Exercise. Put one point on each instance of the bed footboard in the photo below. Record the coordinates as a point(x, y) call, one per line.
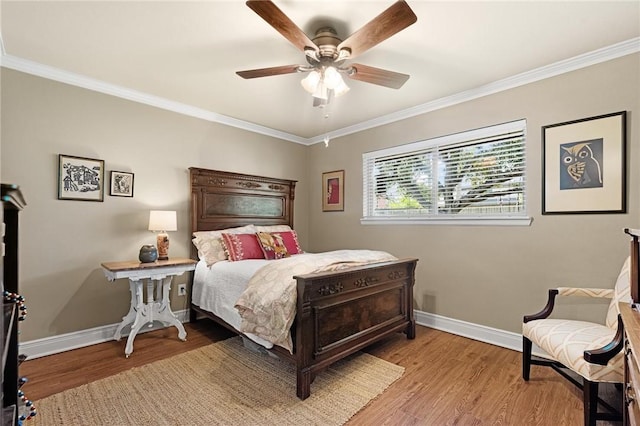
point(339, 313)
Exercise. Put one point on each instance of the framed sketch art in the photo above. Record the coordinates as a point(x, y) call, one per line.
point(80, 178)
point(121, 184)
point(584, 165)
point(333, 191)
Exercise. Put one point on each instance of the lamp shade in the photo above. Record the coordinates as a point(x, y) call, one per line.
point(310, 82)
point(162, 220)
point(332, 78)
point(341, 88)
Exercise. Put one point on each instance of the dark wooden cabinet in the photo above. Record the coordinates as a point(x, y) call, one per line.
point(12, 203)
point(630, 316)
point(631, 393)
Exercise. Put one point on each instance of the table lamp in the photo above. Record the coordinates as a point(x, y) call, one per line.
point(162, 221)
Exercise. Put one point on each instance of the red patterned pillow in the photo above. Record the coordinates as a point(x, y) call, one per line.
point(290, 239)
point(272, 245)
point(242, 246)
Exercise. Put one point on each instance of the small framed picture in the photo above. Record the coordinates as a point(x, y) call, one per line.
point(333, 191)
point(80, 178)
point(584, 165)
point(121, 184)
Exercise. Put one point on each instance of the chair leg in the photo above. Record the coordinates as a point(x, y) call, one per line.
point(590, 397)
point(526, 358)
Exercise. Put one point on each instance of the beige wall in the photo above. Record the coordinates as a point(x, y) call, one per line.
point(64, 242)
point(486, 274)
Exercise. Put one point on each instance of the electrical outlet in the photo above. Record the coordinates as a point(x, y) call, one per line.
point(182, 289)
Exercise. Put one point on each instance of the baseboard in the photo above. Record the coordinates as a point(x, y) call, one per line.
point(79, 339)
point(482, 333)
point(65, 342)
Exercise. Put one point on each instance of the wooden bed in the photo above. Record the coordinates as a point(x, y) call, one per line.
point(325, 329)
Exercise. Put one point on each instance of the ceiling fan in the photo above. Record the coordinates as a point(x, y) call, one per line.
point(326, 53)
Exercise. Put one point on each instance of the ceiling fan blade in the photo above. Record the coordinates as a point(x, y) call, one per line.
point(393, 20)
point(378, 76)
point(267, 72)
point(281, 22)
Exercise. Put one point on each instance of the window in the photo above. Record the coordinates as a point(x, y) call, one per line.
point(471, 177)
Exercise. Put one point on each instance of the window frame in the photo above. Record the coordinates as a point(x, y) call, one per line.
point(444, 142)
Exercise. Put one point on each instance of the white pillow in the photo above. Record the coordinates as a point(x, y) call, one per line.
point(209, 243)
point(273, 228)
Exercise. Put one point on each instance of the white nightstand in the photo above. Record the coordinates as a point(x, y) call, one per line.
point(158, 274)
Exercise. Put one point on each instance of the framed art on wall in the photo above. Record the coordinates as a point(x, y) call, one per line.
point(80, 178)
point(584, 165)
point(333, 191)
point(121, 184)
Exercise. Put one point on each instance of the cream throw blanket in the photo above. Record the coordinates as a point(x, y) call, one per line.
point(268, 305)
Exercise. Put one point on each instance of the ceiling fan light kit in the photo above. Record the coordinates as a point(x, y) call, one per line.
point(320, 81)
point(326, 53)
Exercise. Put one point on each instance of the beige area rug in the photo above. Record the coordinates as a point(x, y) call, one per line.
point(221, 384)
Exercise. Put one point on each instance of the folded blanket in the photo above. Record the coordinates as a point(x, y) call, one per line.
point(268, 305)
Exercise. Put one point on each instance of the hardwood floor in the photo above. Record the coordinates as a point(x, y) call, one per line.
point(449, 380)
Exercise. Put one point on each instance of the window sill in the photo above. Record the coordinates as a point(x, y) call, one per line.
point(471, 221)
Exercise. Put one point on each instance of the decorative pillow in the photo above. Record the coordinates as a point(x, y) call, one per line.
point(290, 239)
point(273, 228)
point(209, 243)
point(272, 245)
point(242, 246)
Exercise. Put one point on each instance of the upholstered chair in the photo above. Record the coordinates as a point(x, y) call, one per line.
point(591, 350)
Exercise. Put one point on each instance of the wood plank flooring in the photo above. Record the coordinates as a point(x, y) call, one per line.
point(449, 380)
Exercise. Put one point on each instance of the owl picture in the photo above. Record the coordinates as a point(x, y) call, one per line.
point(581, 164)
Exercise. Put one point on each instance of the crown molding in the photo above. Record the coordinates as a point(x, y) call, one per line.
point(608, 53)
point(78, 80)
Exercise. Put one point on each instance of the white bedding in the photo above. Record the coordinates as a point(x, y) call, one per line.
point(216, 289)
point(258, 297)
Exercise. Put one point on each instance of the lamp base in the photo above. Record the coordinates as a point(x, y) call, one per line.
point(163, 246)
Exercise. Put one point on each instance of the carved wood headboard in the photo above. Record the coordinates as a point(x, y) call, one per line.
point(222, 200)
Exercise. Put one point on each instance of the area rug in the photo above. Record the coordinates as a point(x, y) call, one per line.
point(223, 383)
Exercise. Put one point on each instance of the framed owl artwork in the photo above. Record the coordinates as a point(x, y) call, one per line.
point(584, 165)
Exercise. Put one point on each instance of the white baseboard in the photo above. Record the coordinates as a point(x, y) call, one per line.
point(79, 339)
point(482, 333)
point(494, 336)
point(65, 342)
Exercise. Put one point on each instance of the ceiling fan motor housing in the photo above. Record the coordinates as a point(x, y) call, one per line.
point(327, 41)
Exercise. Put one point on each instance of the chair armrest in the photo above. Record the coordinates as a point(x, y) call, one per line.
point(604, 354)
point(603, 293)
point(546, 311)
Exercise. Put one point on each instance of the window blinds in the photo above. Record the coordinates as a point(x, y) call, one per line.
point(480, 173)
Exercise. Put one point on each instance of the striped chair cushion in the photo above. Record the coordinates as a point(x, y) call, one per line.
point(566, 340)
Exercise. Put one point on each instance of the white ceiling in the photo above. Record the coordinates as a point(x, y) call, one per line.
point(183, 55)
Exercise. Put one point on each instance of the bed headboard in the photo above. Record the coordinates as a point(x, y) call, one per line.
point(222, 200)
